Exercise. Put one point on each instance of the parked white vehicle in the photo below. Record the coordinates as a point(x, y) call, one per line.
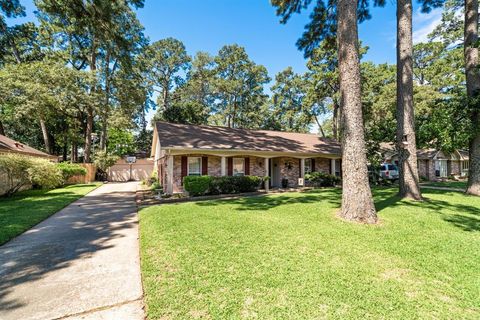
point(388, 171)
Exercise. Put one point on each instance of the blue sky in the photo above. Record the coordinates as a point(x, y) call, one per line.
point(207, 25)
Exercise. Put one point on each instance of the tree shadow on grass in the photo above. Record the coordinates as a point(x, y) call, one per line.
point(271, 201)
point(60, 240)
point(463, 216)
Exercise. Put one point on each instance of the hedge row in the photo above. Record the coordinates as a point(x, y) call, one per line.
point(321, 179)
point(208, 185)
point(21, 171)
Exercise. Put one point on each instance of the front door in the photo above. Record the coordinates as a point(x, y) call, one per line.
point(274, 174)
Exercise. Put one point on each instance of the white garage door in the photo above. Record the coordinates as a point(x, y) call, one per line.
point(128, 172)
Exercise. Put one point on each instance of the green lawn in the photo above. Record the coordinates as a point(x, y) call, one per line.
point(288, 256)
point(448, 184)
point(27, 208)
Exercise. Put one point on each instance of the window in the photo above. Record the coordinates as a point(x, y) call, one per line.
point(194, 166)
point(238, 166)
point(441, 168)
point(308, 166)
point(392, 167)
point(465, 167)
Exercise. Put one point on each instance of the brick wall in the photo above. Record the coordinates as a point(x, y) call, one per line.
point(322, 165)
point(257, 166)
point(422, 169)
point(454, 168)
point(214, 169)
point(292, 173)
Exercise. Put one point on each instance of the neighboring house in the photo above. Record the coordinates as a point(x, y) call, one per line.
point(8, 145)
point(180, 150)
point(434, 164)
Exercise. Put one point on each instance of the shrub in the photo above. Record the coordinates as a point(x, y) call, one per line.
point(321, 179)
point(197, 185)
point(103, 160)
point(71, 169)
point(45, 174)
point(203, 185)
point(23, 170)
point(155, 186)
point(247, 183)
point(15, 168)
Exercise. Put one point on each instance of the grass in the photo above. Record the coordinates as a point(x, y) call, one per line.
point(25, 209)
point(447, 184)
point(288, 256)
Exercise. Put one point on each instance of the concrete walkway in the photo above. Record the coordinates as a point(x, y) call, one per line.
point(81, 263)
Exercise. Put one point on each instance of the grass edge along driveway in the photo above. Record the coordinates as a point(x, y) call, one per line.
point(25, 209)
point(288, 256)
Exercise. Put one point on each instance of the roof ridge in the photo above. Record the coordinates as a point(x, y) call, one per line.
point(244, 129)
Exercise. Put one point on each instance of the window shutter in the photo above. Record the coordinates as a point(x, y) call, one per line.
point(313, 165)
point(204, 166)
point(230, 167)
point(299, 168)
point(330, 166)
point(247, 166)
point(184, 168)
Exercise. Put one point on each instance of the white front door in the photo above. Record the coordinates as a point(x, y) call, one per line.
point(275, 172)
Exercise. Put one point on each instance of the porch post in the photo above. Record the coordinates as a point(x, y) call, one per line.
point(267, 160)
point(223, 166)
point(332, 166)
point(170, 174)
point(302, 168)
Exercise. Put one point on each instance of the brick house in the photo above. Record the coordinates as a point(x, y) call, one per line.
point(434, 164)
point(180, 150)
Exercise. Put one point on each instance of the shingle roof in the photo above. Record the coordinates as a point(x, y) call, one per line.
point(426, 153)
point(10, 145)
point(464, 154)
point(182, 136)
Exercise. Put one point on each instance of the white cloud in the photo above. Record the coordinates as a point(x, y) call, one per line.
point(424, 23)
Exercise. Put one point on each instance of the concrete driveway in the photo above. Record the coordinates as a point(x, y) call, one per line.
point(81, 263)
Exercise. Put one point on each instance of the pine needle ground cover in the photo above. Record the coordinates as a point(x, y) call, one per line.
point(289, 256)
point(25, 209)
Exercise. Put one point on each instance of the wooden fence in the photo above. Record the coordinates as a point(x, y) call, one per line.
point(88, 178)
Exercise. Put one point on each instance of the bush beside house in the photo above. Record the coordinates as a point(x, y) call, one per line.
point(321, 179)
point(22, 172)
point(209, 185)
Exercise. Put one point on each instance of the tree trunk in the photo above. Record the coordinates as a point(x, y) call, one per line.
point(74, 152)
point(46, 138)
point(335, 120)
point(89, 128)
point(2, 129)
point(165, 97)
point(357, 202)
point(65, 152)
point(106, 110)
point(473, 92)
point(88, 136)
point(406, 142)
point(319, 127)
